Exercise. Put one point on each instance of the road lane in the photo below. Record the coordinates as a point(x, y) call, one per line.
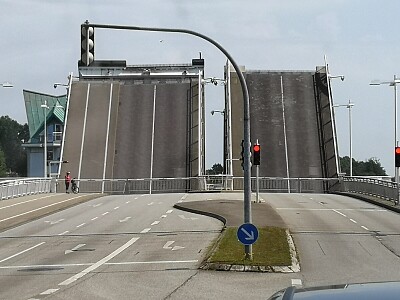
point(102, 236)
point(340, 239)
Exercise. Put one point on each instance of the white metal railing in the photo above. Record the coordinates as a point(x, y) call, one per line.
point(384, 189)
point(202, 183)
point(12, 188)
point(387, 190)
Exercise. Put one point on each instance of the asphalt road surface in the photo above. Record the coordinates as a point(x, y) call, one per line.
point(140, 247)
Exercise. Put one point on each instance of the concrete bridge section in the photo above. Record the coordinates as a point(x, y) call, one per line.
point(134, 126)
point(290, 116)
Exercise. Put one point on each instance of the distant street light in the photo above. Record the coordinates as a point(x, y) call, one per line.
point(393, 83)
point(45, 108)
point(349, 106)
point(329, 78)
point(7, 85)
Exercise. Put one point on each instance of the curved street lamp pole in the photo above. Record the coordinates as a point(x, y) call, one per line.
point(246, 109)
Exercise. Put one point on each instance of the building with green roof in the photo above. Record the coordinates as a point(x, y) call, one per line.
point(36, 114)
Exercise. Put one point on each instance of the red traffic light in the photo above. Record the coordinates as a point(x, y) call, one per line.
point(397, 150)
point(257, 148)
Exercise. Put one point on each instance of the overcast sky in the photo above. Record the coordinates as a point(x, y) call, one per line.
point(40, 45)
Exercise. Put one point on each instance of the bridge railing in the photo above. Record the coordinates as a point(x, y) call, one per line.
point(383, 189)
point(12, 188)
point(204, 183)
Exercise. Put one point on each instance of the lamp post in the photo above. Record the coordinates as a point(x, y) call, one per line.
point(349, 106)
point(246, 108)
point(45, 108)
point(329, 78)
point(393, 83)
point(7, 85)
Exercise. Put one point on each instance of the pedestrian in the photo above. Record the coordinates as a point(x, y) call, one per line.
point(67, 181)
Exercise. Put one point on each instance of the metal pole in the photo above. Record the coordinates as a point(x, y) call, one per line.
point(152, 138)
point(396, 142)
point(351, 141)
point(246, 110)
point(45, 138)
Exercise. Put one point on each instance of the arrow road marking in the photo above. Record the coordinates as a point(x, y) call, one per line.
point(74, 249)
point(168, 246)
point(249, 237)
point(124, 220)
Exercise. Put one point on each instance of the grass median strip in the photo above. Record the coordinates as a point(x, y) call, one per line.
point(270, 249)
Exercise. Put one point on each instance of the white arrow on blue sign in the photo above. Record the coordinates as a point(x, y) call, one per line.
point(247, 233)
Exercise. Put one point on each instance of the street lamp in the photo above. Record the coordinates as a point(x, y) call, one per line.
point(45, 108)
point(7, 85)
point(349, 106)
point(329, 78)
point(392, 83)
point(246, 107)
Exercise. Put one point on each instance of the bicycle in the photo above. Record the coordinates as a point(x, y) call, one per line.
point(74, 186)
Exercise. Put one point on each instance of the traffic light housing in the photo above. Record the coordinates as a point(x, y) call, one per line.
point(397, 156)
point(256, 154)
point(87, 45)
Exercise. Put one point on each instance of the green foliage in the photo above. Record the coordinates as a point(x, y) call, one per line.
point(370, 167)
point(11, 135)
point(3, 167)
point(215, 169)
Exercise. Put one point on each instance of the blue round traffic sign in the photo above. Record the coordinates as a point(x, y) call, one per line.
point(247, 233)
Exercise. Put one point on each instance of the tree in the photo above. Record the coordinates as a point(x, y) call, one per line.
point(215, 169)
point(3, 167)
point(11, 135)
point(370, 167)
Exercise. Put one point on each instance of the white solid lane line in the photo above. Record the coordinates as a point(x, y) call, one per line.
point(27, 201)
point(99, 263)
point(106, 264)
point(26, 250)
point(43, 207)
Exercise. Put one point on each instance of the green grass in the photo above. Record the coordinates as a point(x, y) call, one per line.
point(270, 249)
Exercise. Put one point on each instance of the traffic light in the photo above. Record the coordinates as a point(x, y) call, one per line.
point(397, 156)
point(87, 45)
point(256, 154)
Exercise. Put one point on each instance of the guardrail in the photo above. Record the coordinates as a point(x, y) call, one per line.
point(204, 183)
point(383, 189)
point(23, 187)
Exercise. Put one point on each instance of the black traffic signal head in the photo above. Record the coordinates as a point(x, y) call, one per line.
point(397, 157)
point(256, 154)
point(87, 45)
